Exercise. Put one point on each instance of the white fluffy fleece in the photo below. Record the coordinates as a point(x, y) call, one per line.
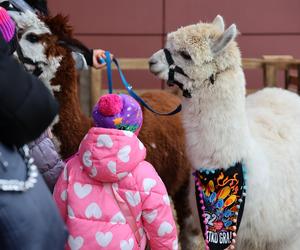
point(224, 127)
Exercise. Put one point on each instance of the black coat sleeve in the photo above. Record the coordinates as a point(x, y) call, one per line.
point(27, 107)
point(88, 55)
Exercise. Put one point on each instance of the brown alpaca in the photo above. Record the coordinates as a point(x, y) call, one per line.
point(73, 124)
point(165, 142)
point(162, 136)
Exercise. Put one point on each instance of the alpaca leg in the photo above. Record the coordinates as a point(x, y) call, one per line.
point(189, 236)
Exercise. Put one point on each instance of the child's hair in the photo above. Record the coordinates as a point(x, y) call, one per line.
point(119, 112)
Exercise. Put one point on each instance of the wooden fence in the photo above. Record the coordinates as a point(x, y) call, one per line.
point(91, 80)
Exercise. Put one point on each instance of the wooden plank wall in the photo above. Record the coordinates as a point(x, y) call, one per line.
point(137, 28)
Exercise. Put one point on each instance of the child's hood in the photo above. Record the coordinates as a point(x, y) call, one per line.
point(109, 155)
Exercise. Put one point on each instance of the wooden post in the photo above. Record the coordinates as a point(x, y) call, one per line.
point(96, 82)
point(273, 63)
point(270, 75)
point(287, 79)
point(84, 90)
point(298, 79)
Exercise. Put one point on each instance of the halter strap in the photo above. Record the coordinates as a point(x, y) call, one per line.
point(169, 57)
point(129, 88)
point(38, 71)
point(171, 75)
point(174, 68)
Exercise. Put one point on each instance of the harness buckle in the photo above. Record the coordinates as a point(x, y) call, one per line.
point(172, 67)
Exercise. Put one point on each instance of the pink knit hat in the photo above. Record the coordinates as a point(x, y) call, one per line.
point(7, 25)
point(121, 112)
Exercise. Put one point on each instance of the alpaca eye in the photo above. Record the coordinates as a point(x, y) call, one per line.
point(33, 38)
point(185, 55)
point(20, 33)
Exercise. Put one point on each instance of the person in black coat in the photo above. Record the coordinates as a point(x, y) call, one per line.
point(29, 219)
point(40, 5)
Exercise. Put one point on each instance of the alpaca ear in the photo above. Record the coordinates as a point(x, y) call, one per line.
point(219, 22)
point(223, 41)
point(20, 18)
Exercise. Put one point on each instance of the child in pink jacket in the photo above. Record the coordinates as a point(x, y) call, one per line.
point(108, 195)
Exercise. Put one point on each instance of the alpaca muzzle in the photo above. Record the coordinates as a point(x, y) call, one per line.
point(26, 60)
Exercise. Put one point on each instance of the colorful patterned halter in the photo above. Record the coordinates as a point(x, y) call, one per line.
point(220, 198)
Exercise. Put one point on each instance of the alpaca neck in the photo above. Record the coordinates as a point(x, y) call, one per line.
point(72, 124)
point(216, 125)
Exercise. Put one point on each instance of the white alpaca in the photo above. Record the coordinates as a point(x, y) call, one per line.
point(224, 127)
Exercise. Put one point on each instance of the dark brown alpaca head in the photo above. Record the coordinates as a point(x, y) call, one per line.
point(48, 42)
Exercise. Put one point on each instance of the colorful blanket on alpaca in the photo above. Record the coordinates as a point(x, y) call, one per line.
point(220, 198)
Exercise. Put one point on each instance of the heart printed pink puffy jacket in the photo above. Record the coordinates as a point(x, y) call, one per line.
point(107, 160)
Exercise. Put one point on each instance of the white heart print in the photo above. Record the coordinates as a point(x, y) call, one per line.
point(148, 184)
point(82, 190)
point(138, 217)
point(128, 133)
point(93, 172)
point(141, 145)
point(122, 175)
point(112, 166)
point(118, 218)
point(103, 239)
point(133, 198)
point(115, 186)
point(166, 199)
point(104, 140)
point(150, 216)
point(164, 228)
point(70, 212)
point(141, 232)
point(123, 154)
point(65, 174)
point(93, 210)
point(64, 195)
point(75, 243)
point(127, 245)
point(175, 244)
point(86, 158)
